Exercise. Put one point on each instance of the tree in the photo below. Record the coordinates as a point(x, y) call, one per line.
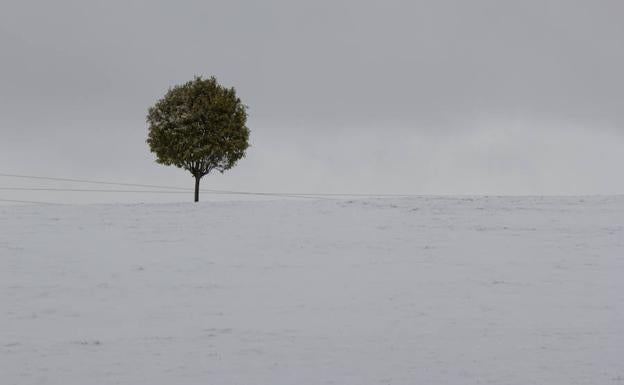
point(199, 126)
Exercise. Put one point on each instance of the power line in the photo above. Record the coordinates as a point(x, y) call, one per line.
point(151, 192)
point(187, 190)
point(31, 202)
point(75, 180)
point(216, 192)
point(92, 181)
point(88, 190)
point(311, 194)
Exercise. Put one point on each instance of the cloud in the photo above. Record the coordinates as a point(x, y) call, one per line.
point(428, 96)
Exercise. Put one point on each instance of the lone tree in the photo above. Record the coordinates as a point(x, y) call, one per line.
point(198, 126)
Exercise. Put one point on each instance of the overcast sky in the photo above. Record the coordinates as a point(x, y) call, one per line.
point(425, 97)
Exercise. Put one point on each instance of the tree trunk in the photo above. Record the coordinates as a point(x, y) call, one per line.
point(197, 178)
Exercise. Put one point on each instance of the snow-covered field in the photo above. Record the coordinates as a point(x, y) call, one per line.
point(427, 290)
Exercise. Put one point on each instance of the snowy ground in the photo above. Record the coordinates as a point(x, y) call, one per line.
point(381, 291)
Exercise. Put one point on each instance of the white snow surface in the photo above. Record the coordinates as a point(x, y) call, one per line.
point(428, 290)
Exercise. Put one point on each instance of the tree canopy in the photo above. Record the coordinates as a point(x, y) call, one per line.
point(199, 126)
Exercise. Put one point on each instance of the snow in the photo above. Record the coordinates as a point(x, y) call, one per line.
point(428, 290)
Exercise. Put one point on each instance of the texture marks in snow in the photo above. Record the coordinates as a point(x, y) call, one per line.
point(402, 291)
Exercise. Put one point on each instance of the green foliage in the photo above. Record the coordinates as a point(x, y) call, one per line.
point(199, 126)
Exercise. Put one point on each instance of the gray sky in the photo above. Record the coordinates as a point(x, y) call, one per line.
point(427, 97)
